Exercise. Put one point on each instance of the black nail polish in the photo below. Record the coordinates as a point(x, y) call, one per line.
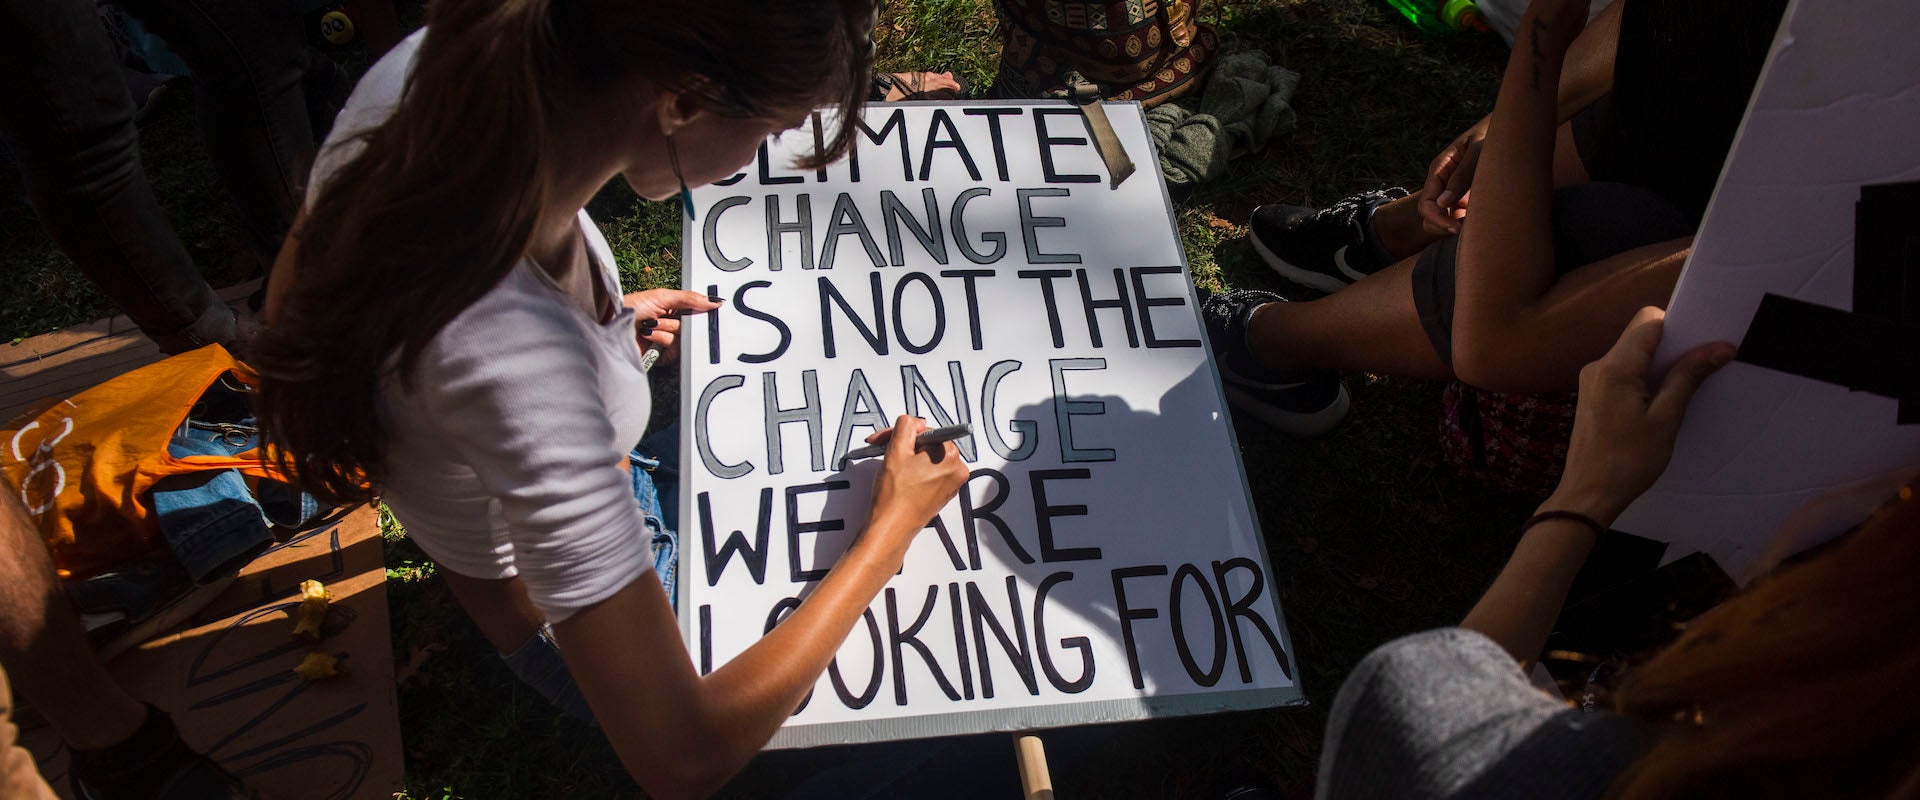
point(647, 325)
point(715, 298)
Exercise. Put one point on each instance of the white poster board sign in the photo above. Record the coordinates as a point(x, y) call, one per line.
point(969, 263)
point(1809, 257)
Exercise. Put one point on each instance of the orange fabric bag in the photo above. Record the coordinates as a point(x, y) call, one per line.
point(83, 467)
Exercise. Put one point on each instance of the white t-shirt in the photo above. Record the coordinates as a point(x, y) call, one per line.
point(508, 457)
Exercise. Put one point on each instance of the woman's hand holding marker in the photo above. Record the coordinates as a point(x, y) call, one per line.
point(914, 483)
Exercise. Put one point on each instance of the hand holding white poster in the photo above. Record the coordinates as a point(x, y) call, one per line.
point(968, 263)
point(1807, 259)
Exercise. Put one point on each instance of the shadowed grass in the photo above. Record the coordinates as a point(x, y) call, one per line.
point(1369, 536)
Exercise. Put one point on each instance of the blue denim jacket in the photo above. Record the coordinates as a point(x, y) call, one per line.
point(213, 519)
point(211, 522)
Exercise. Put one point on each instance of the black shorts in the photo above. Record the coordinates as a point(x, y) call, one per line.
point(1591, 222)
point(1653, 146)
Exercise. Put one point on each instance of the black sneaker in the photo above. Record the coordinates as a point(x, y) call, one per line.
point(1327, 249)
point(153, 764)
point(1303, 403)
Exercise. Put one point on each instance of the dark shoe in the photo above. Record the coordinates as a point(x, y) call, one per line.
point(153, 764)
point(1303, 403)
point(1327, 249)
point(138, 601)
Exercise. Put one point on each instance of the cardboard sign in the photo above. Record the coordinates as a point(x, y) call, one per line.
point(969, 263)
point(227, 677)
point(1808, 258)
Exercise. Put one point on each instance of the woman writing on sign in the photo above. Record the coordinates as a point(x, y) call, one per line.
point(448, 331)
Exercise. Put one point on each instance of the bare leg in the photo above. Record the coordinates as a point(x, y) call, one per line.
point(1372, 326)
point(43, 647)
point(1398, 223)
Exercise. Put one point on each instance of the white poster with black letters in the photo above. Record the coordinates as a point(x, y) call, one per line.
point(970, 263)
point(1809, 259)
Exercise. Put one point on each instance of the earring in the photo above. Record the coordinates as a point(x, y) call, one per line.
point(686, 197)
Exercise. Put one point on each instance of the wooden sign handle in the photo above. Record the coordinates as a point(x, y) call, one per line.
point(1035, 782)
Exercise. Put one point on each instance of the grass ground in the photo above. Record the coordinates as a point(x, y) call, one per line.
point(1369, 535)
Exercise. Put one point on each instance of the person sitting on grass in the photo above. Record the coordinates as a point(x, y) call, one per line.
point(1801, 686)
point(1586, 184)
point(447, 330)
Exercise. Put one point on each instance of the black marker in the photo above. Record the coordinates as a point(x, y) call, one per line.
point(927, 438)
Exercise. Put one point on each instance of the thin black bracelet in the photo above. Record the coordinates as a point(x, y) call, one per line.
point(1592, 524)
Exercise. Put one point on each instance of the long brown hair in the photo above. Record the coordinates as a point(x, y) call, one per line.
point(1805, 685)
point(446, 193)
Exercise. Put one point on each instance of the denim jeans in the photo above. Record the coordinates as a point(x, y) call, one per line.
point(264, 98)
point(212, 522)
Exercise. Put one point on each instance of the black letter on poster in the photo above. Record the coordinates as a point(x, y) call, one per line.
point(1065, 409)
point(967, 277)
point(740, 304)
point(1869, 349)
point(915, 387)
point(860, 409)
point(956, 220)
point(795, 527)
point(896, 638)
point(1045, 513)
point(1031, 222)
point(766, 175)
point(1242, 609)
point(893, 213)
point(1128, 614)
point(876, 336)
point(1144, 304)
point(802, 224)
point(952, 141)
point(706, 640)
point(755, 554)
point(1211, 676)
point(1047, 142)
point(703, 440)
point(711, 241)
point(1026, 428)
point(1045, 277)
point(808, 412)
point(960, 638)
point(970, 517)
point(896, 123)
point(1093, 306)
point(1080, 643)
point(846, 220)
point(1014, 646)
point(939, 313)
point(993, 116)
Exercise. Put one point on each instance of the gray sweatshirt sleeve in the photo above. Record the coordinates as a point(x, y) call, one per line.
point(1448, 714)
